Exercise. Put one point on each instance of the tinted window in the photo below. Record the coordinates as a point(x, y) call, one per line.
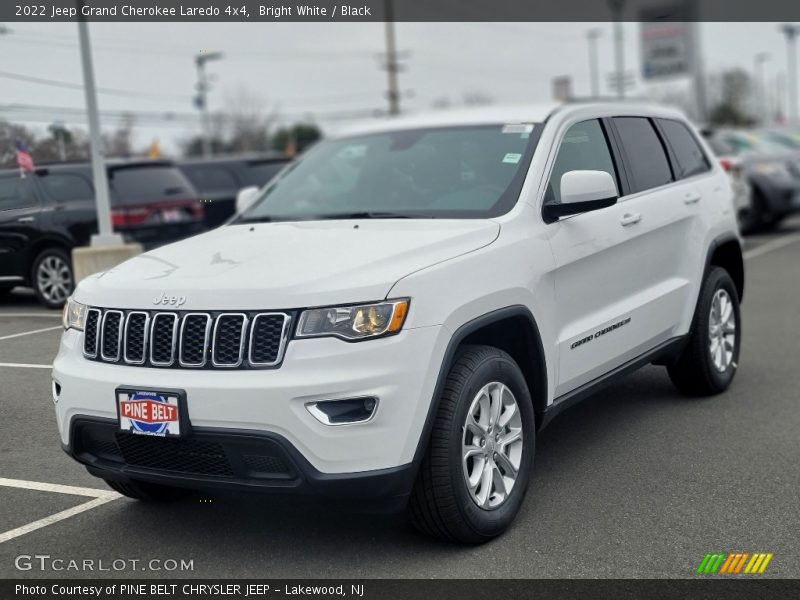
point(584, 147)
point(207, 179)
point(688, 153)
point(645, 153)
point(65, 187)
point(16, 192)
point(260, 173)
point(148, 183)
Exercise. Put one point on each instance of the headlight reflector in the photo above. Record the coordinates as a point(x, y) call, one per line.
point(354, 322)
point(74, 316)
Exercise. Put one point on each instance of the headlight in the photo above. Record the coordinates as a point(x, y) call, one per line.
point(354, 322)
point(74, 316)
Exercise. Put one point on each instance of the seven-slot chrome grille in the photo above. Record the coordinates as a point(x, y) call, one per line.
point(184, 339)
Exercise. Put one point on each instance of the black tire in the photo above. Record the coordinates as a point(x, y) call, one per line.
point(146, 491)
point(441, 504)
point(46, 295)
point(694, 373)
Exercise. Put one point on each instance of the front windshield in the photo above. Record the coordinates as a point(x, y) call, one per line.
point(449, 172)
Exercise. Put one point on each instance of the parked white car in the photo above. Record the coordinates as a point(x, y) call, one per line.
point(395, 317)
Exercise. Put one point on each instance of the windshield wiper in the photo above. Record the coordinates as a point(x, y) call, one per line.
point(365, 215)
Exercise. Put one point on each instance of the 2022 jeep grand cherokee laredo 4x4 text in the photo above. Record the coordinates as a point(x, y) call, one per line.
point(396, 315)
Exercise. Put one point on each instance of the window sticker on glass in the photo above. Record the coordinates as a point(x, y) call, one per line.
point(518, 128)
point(512, 157)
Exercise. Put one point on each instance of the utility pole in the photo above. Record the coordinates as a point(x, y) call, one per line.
point(392, 67)
point(594, 76)
point(619, 45)
point(791, 31)
point(106, 235)
point(201, 99)
point(763, 108)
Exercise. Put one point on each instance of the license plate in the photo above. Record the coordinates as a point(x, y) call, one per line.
point(149, 413)
point(174, 215)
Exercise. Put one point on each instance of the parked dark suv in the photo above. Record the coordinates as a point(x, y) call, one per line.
point(46, 213)
point(218, 179)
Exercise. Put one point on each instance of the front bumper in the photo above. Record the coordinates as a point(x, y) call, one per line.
point(400, 370)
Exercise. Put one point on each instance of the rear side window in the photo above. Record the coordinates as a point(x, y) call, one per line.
point(16, 192)
point(645, 153)
point(259, 174)
point(688, 154)
point(584, 147)
point(64, 187)
point(211, 179)
point(149, 183)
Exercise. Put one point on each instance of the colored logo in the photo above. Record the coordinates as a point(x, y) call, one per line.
point(149, 413)
point(734, 563)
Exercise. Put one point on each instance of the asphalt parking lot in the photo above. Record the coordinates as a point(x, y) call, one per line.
point(637, 481)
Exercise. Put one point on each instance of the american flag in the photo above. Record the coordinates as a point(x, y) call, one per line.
point(24, 158)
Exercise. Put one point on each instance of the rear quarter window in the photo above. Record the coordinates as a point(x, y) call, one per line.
point(211, 179)
point(690, 158)
point(16, 192)
point(65, 187)
point(149, 183)
point(645, 153)
point(259, 174)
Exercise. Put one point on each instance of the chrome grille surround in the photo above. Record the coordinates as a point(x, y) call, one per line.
point(162, 339)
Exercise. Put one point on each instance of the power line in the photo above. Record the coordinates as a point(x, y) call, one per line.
point(78, 86)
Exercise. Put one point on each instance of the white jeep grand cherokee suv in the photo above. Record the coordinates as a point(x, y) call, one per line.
point(404, 307)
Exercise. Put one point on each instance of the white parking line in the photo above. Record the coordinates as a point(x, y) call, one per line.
point(53, 315)
point(64, 514)
point(25, 366)
point(16, 335)
point(57, 488)
point(99, 497)
point(770, 246)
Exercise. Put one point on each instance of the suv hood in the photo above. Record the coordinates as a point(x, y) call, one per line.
point(285, 265)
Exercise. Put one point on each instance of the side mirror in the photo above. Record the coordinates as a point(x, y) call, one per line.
point(582, 191)
point(245, 198)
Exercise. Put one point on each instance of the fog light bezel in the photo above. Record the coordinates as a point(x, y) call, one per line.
point(315, 411)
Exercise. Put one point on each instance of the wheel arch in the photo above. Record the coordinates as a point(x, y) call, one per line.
point(512, 329)
point(726, 252)
point(42, 244)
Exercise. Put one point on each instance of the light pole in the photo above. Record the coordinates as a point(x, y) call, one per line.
point(791, 31)
point(591, 37)
point(392, 67)
point(201, 100)
point(758, 61)
point(619, 45)
point(106, 235)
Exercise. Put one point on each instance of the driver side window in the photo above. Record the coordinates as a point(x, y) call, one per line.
point(584, 147)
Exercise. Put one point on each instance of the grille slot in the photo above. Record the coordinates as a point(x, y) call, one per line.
point(111, 335)
point(135, 338)
point(229, 340)
point(267, 338)
point(193, 345)
point(90, 333)
point(162, 339)
point(265, 464)
point(169, 454)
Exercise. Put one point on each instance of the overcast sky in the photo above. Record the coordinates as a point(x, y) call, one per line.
point(323, 68)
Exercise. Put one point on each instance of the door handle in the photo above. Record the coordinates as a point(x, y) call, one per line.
point(26, 220)
point(692, 197)
point(630, 219)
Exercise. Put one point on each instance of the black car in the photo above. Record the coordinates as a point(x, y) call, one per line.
point(218, 180)
point(44, 214)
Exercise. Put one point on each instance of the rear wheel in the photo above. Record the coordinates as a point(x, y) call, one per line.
point(708, 363)
point(52, 278)
point(146, 491)
point(474, 475)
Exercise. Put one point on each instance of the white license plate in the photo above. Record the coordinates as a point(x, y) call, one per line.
point(173, 215)
point(149, 413)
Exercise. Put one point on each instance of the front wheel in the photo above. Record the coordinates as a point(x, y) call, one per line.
point(708, 363)
point(475, 473)
point(52, 277)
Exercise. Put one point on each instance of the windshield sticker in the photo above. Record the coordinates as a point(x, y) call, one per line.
point(518, 128)
point(512, 158)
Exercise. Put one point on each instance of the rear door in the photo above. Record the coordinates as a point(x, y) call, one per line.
point(71, 203)
point(20, 215)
